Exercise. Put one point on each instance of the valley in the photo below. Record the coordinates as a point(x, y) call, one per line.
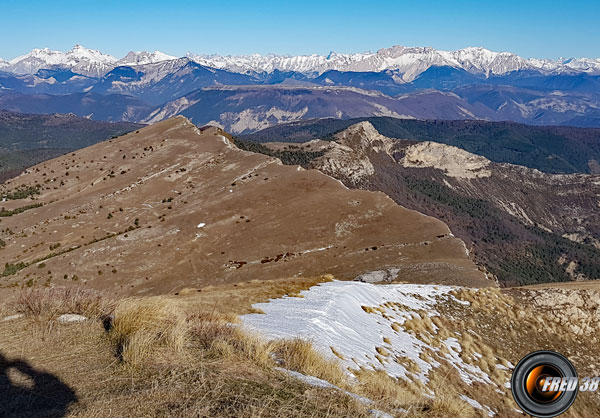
point(27, 139)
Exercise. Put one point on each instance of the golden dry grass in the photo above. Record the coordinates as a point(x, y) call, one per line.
point(51, 302)
point(146, 326)
point(186, 356)
point(172, 362)
point(143, 325)
point(385, 390)
point(238, 298)
point(300, 355)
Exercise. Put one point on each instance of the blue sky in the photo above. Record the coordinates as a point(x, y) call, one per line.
point(533, 28)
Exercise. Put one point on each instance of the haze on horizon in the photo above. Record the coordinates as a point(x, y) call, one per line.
point(540, 29)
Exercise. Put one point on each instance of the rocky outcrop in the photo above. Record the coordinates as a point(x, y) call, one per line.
point(452, 161)
point(576, 308)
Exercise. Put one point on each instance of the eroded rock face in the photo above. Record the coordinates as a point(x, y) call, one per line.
point(174, 206)
point(348, 156)
point(453, 161)
point(576, 308)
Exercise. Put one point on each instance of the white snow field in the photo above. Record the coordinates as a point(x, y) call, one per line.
point(331, 315)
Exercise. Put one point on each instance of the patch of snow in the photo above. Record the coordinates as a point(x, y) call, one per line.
point(332, 315)
point(309, 380)
point(201, 225)
point(468, 372)
point(144, 57)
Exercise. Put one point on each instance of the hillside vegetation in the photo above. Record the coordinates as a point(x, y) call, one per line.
point(184, 356)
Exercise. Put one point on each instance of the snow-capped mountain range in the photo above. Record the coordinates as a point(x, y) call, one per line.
point(79, 59)
point(406, 62)
point(409, 62)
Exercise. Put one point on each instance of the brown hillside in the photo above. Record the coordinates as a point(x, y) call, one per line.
point(171, 206)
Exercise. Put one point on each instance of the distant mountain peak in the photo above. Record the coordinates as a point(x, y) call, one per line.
point(144, 57)
point(79, 59)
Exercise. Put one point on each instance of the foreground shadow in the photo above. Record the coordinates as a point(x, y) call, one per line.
point(27, 392)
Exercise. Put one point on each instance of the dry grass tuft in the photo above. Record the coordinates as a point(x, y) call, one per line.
point(368, 309)
point(383, 389)
point(445, 406)
point(336, 353)
point(420, 325)
point(445, 403)
point(300, 355)
point(382, 351)
point(141, 326)
point(249, 347)
point(51, 302)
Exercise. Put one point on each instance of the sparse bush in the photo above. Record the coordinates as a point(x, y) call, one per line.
point(5, 213)
point(302, 158)
point(23, 192)
point(10, 269)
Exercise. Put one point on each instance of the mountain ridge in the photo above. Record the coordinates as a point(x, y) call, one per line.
point(557, 149)
point(213, 214)
point(523, 225)
point(408, 61)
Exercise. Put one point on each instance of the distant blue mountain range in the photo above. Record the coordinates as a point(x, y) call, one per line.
point(246, 101)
